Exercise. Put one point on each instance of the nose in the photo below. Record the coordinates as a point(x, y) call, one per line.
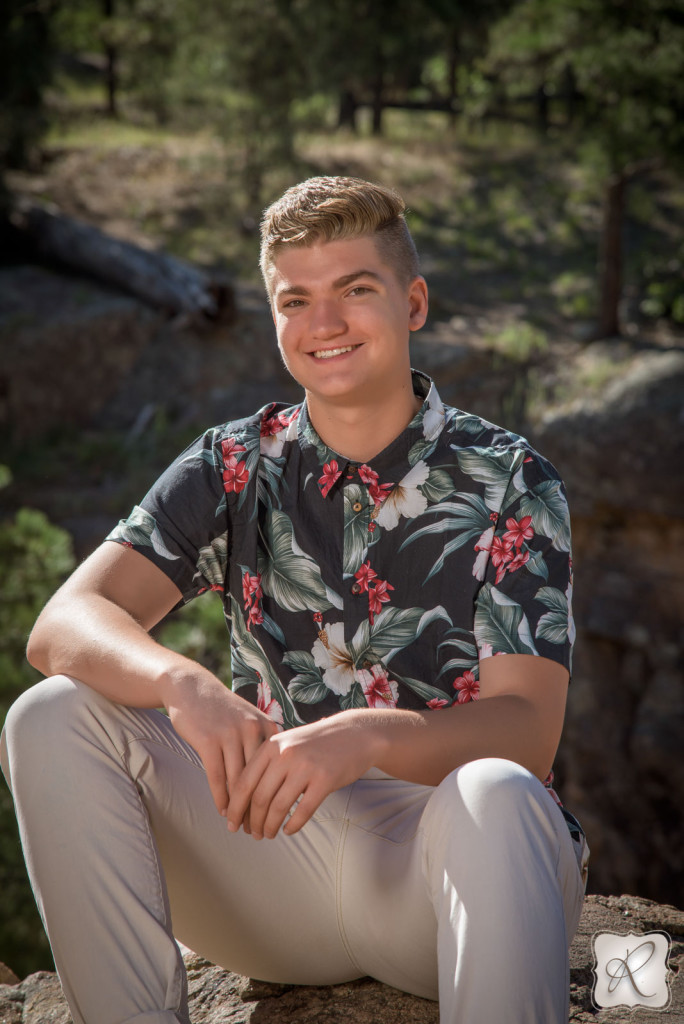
point(326, 320)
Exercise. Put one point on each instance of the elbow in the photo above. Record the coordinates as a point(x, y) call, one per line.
point(37, 649)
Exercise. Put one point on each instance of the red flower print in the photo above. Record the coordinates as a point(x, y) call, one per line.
point(501, 551)
point(493, 517)
point(368, 475)
point(267, 703)
point(379, 492)
point(437, 702)
point(235, 476)
point(468, 687)
point(364, 575)
point(318, 618)
point(251, 588)
point(380, 691)
point(518, 532)
point(501, 555)
point(377, 596)
point(278, 421)
point(372, 527)
point(230, 450)
point(331, 474)
point(522, 558)
point(255, 617)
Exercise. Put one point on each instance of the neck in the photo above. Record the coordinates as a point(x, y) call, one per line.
point(360, 432)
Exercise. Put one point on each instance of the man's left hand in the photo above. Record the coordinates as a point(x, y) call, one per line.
point(304, 764)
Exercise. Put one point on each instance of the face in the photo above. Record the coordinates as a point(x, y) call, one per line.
point(343, 321)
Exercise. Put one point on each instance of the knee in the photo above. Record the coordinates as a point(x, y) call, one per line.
point(42, 713)
point(489, 788)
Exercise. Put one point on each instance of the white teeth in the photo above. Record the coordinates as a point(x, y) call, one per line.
point(328, 353)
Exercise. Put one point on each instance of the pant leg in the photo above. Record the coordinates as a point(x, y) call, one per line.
point(120, 835)
point(470, 892)
point(505, 883)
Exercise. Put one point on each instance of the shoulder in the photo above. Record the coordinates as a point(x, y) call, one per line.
point(471, 437)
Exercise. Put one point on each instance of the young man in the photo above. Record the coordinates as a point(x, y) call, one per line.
point(396, 577)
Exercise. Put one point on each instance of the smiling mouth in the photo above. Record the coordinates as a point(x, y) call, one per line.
point(329, 353)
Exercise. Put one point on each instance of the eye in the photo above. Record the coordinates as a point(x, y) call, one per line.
point(360, 289)
point(293, 304)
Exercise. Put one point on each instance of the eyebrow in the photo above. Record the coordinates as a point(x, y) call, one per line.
point(341, 282)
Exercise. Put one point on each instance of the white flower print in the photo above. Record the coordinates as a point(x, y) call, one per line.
point(483, 546)
point(405, 500)
point(334, 658)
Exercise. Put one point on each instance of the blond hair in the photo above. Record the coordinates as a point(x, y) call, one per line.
point(329, 209)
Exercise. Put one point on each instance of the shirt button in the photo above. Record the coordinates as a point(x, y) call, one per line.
point(356, 588)
point(357, 506)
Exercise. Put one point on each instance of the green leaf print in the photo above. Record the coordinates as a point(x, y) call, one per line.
point(251, 653)
point(549, 510)
point(469, 518)
point(537, 564)
point(141, 529)
point(301, 661)
point(393, 630)
point(269, 481)
point(307, 691)
point(354, 698)
point(438, 486)
point(493, 469)
point(307, 686)
point(424, 690)
point(421, 450)
point(288, 574)
point(213, 560)
point(356, 522)
point(553, 625)
point(501, 622)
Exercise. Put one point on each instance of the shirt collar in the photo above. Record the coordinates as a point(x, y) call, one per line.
point(391, 463)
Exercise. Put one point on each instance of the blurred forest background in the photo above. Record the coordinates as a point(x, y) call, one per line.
point(539, 144)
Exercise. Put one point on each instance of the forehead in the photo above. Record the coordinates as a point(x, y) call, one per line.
point(324, 263)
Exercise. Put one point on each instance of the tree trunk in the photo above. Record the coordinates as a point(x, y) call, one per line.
point(453, 60)
point(346, 113)
point(158, 279)
point(610, 257)
point(111, 70)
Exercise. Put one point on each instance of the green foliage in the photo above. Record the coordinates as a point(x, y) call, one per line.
point(36, 557)
point(623, 62)
point(520, 341)
point(663, 278)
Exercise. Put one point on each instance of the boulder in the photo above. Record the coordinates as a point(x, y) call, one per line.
point(620, 450)
point(219, 997)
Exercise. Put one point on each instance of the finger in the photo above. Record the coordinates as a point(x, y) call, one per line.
point(267, 799)
point(309, 803)
point(215, 769)
point(234, 767)
point(241, 791)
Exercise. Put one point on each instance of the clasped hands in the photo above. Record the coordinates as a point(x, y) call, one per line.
point(300, 766)
point(256, 771)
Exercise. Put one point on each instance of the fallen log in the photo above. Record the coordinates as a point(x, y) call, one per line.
point(157, 278)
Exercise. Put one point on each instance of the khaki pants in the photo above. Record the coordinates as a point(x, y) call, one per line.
point(469, 892)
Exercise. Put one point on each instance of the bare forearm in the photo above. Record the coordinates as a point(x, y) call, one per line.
point(424, 746)
point(103, 645)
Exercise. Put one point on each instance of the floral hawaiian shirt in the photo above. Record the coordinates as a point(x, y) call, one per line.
point(380, 584)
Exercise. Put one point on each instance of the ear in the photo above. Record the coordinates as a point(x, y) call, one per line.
point(418, 303)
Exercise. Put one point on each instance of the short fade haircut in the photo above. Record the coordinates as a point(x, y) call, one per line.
point(330, 209)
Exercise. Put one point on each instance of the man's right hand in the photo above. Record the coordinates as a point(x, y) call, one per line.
point(96, 628)
point(221, 726)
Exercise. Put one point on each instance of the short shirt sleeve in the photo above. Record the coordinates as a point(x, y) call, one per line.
point(181, 524)
point(525, 603)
